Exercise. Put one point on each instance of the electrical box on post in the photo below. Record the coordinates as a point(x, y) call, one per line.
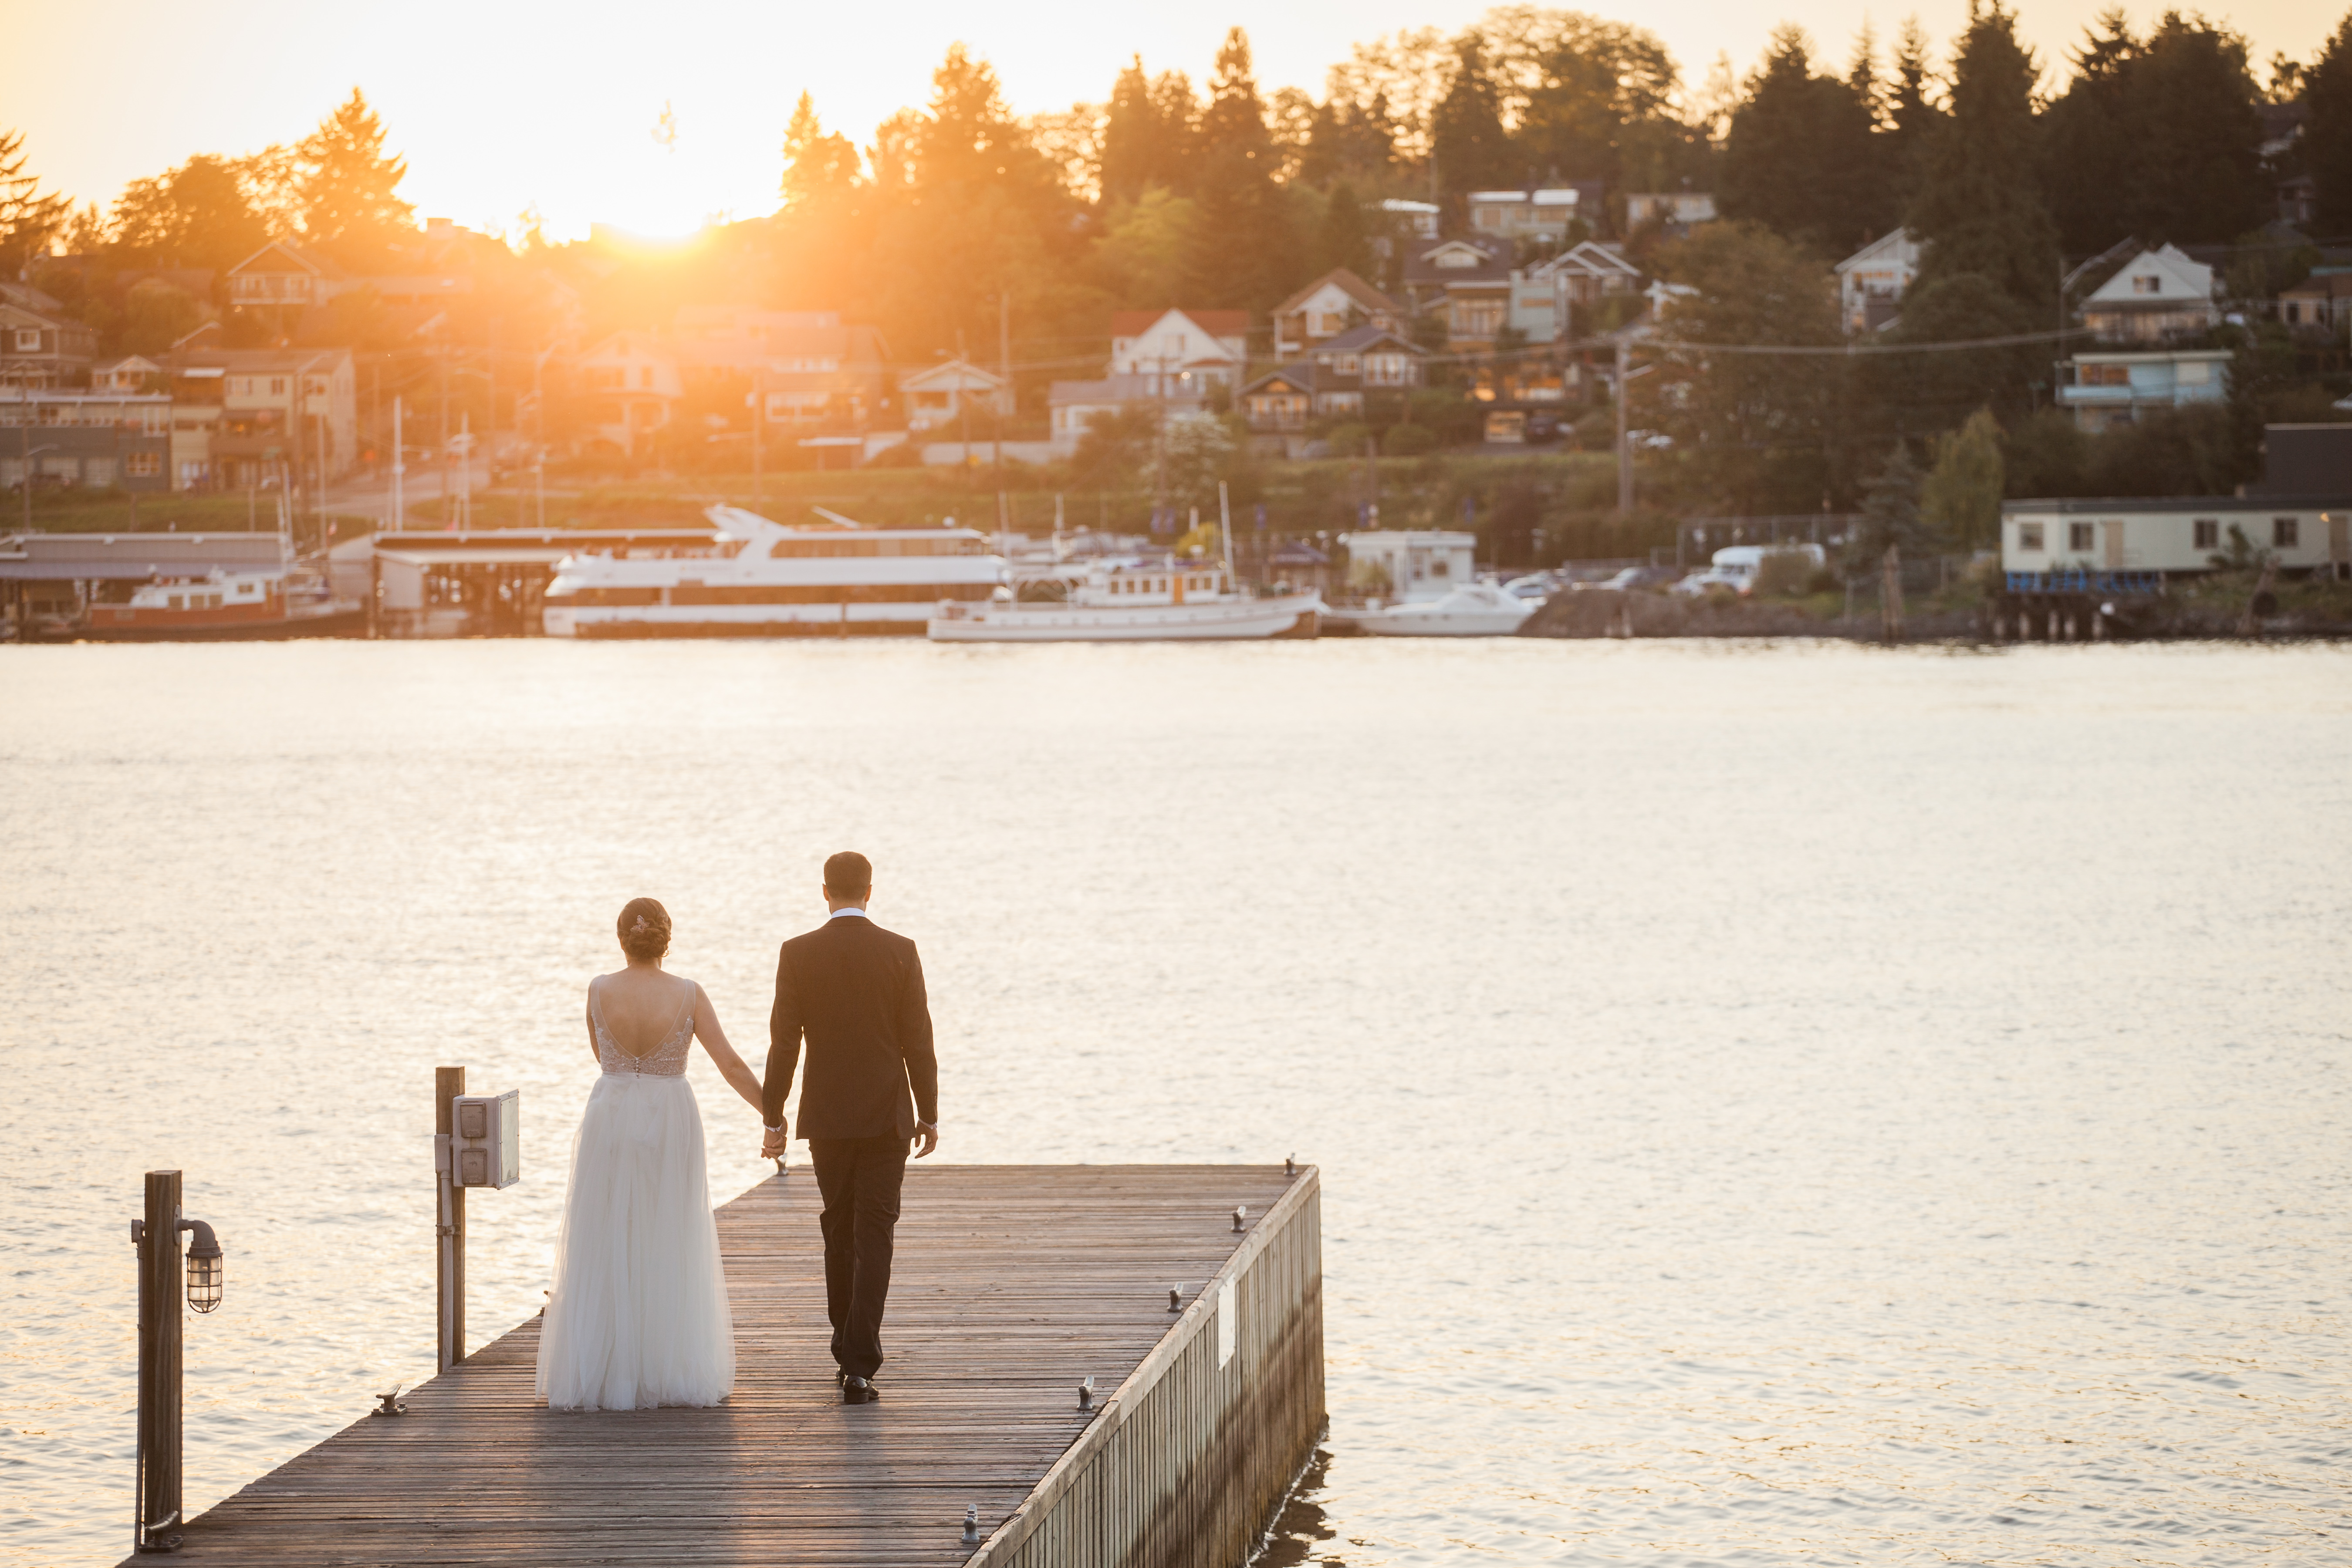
point(486, 1141)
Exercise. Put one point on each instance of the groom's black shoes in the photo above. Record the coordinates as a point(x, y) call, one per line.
point(858, 1391)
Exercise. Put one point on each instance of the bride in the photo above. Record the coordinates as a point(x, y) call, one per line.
point(638, 1315)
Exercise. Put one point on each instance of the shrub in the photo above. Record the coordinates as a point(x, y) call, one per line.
point(1783, 574)
point(1409, 440)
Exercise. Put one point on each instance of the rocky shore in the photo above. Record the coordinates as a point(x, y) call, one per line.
point(1604, 613)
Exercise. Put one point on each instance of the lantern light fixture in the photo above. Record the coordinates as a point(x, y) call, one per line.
point(205, 1271)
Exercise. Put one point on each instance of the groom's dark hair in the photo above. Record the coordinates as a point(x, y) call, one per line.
point(848, 875)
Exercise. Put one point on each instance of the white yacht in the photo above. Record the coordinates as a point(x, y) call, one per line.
point(1128, 600)
point(1472, 610)
point(759, 578)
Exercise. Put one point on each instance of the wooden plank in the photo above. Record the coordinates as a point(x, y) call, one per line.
point(1011, 1284)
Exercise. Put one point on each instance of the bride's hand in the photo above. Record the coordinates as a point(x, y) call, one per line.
point(772, 1143)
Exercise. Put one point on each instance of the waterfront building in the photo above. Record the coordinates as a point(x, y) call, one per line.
point(85, 440)
point(2176, 534)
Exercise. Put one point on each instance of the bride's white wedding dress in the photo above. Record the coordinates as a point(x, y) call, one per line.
point(638, 1315)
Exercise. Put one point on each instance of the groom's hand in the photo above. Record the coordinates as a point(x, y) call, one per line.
point(772, 1142)
point(929, 1134)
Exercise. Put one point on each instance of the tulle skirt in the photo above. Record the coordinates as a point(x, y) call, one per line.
point(638, 1315)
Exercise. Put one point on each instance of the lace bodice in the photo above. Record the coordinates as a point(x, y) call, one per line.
point(666, 1059)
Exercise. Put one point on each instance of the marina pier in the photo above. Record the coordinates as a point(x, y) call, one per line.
point(1013, 1287)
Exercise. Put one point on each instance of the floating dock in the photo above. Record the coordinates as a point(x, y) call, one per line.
point(1012, 1285)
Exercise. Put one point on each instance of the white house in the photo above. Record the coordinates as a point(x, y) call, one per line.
point(2109, 388)
point(1405, 565)
point(1417, 219)
point(1675, 209)
point(2160, 295)
point(2173, 534)
point(1329, 306)
point(1542, 216)
point(1872, 278)
point(937, 395)
point(633, 388)
point(1075, 406)
point(1190, 348)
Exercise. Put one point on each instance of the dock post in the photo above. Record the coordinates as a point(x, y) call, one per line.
point(157, 1462)
point(449, 1221)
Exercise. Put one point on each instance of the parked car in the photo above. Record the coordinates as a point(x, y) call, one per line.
point(1537, 586)
point(1632, 577)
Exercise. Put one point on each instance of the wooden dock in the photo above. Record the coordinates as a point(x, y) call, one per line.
point(1013, 1284)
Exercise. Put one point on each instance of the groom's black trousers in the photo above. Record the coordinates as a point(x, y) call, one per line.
point(859, 1179)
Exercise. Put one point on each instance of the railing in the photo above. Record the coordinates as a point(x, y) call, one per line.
point(1190, 1459)
point(2084, 582)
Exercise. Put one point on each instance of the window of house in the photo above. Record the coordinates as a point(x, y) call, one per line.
point(29, 340)
point(2195, 373)
point(2029, 536)
point(2208, 533)
point(277, 386)
point(2283, 532)
point(646, 375)
point(143, 465)
point(2082, 536)
point(2147, 283)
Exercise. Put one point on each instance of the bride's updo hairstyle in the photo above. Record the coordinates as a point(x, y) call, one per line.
point(644, 927)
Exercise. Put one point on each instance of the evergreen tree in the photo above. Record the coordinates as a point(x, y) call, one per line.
point(1890, 516)
point(1799, 158)
point(1961, 501)
point(2203, 136)
point(1347, 143)
point(1472, 149)
point(2159, 139)
point(27, 218)
point(817, 166)
point(1240, 254)
point(1150, 132)
point(1911, 116)
point(348, 190)
point(198, 214)
point(1977, 210)
point(2327, 140)
point(1344, 240)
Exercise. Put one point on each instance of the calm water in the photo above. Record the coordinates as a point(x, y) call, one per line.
point(1777, 1105)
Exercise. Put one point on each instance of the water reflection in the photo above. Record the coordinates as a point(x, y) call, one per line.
point(1781, 1104)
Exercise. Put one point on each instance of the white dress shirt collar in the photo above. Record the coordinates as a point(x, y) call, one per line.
point(847, 909)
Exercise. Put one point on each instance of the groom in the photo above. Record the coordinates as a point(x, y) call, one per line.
point(855, 992)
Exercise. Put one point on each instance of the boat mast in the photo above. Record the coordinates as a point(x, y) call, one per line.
point(1226, 526)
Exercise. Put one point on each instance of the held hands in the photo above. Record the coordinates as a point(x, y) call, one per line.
point(772, 1142)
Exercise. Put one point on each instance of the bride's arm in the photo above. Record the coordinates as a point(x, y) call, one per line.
point(589, 1014)
point(731, 1067)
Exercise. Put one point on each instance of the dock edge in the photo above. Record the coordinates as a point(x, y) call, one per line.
point(1186, 1463)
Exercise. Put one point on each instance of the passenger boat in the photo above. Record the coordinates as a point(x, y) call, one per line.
point(1473, 610)
point(761, 579)
point(1130, 601)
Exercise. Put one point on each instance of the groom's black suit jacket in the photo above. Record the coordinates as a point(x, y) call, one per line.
point(855, 992)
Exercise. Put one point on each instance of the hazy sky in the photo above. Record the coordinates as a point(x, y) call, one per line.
point(500, 107)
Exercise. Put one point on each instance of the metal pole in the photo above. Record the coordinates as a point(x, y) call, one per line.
point(449, 1221)
point(1624, 450)
point(758, 419)
point(399, 469)
point(159, 1363)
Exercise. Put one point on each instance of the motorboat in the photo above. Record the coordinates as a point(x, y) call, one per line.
point(1472, 610)
point(760, 578)
point(1137, 600)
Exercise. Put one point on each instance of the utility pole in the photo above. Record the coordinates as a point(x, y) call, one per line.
point(1004, 373)
point(399, 468)
point(759, 420)
point(1625, 446)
